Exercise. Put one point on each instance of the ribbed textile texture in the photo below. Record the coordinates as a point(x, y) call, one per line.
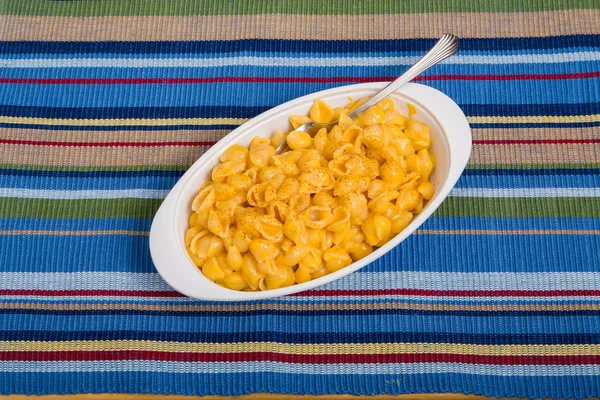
point(104, 104)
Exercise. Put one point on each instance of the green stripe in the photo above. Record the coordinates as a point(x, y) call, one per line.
point(75, 209)
point(452, 207)
point(520, 207)
point(322, 7)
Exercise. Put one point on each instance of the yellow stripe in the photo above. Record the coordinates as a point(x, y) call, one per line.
point(533, 307)
point(286, 348)
point(72, 233)
point(123, 122)
point(239, 121)
point(538, 119)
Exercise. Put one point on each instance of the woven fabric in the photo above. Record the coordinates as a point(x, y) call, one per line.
point(104, 104)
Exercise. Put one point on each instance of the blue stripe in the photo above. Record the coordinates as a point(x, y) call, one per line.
point(238, 384)
point(300, 46)
point(529, 181)
point(301, 72)
point(464, 223)
point(433, 222)
point(531, 172)
point(291, 323)
point(149, 173)
point(187, 302)
point(198, 53)
point(59, 254)
point(132, 224)
point(470, 253)
point(211, 111)
point(465, 93)
point(40, 333)
point(87, 183)
point(232, 127)
point(117, 128)
point(166, 182)
point(302, 313)
point(451, 253)
point(558, 172)
point(224, 111)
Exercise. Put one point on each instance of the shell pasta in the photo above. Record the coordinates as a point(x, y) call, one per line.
point(266, 221)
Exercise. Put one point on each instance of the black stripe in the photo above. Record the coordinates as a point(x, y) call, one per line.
point(296, 46)
point(285, 337)
point(119, 127)
point(252, 111)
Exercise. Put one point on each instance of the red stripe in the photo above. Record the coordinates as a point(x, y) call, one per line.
point(241, 79)
point(538, 141)
point(124, 293)
point(578, 75)
point(330, 293)
point(448, 293)
point(295, 358)
point(102, 144)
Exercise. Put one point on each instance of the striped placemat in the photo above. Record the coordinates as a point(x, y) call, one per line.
point(104, 104)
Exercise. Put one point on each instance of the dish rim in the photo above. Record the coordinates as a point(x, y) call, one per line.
point(166, 247)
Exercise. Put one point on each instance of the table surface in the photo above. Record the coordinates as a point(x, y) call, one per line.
point(104, 104)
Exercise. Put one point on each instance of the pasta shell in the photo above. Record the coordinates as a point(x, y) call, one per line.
point(204, 199)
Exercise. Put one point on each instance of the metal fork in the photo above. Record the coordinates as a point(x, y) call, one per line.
point(445, 47)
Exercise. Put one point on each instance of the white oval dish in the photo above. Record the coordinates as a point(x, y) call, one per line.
point(451, 145)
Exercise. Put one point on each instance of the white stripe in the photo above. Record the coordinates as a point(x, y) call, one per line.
point(357, 280)
point(83, 194)
point(493, 300)
point(161, 194)
point(525, 192)
point(290, 368)
point(288, 61)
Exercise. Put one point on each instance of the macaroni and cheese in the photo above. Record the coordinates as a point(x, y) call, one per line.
point(268, 220)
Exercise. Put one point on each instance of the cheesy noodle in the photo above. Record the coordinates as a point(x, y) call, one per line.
point(268, 220)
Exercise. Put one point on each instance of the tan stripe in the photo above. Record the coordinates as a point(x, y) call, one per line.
point(531, 154)
point(100, 156)
point(535, 154)
point(72, 233)
point(282, 26)
point(535, 133)
point(215, 135)
point(506, 232)
point(319, 348)
point(112, 136)
point(301, 307)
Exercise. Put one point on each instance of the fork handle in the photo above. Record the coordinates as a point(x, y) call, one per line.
point(445, 47)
